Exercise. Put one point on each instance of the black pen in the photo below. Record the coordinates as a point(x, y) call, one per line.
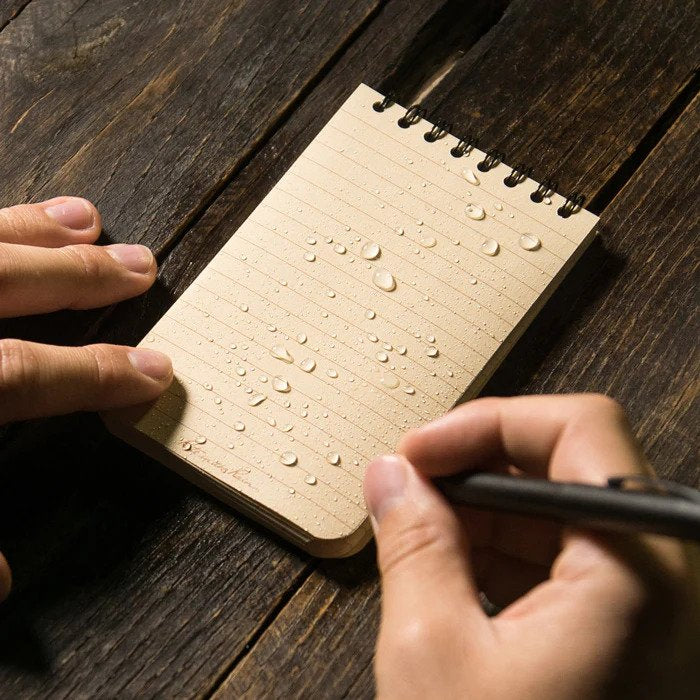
point(662, 507)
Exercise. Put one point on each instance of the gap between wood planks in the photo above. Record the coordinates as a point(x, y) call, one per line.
point(630, 165)
point(14, 14)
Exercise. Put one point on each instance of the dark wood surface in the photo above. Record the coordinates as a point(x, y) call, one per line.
point(176, 118)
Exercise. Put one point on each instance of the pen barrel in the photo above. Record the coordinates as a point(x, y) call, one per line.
point(582, 505)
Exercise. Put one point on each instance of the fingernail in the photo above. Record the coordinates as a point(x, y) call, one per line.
point(388, 485)
point(136, 258)
point(72, 212)
point(152, 363)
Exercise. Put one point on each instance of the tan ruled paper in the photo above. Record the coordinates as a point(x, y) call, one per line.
point(294, 277)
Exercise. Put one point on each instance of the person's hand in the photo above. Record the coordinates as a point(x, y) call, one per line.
point(46, 264)
point(583, 615)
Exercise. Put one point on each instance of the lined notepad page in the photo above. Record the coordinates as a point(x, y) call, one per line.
point(296, 361)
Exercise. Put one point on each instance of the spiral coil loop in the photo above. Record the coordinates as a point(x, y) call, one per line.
point(492, 159)
point(440, 128)
point(545, 189)
point(517, 175)
point(573, 203)
point(413, 114)
point(464, 146)
point(387, 101)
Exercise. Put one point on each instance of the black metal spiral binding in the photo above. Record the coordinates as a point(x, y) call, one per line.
point(441, 128)
point(546, 188)
point(517, 175)
point(574, 202)
point(413, 114)
point(492, 159)
point(388, 100)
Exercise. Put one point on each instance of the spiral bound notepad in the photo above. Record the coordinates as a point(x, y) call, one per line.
point(389, 271)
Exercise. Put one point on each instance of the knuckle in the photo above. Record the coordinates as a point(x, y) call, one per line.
point(603, 404)
point(18, 368)
point(104, 365)
point(88, 263)
point(17, 222)
point(410, 540)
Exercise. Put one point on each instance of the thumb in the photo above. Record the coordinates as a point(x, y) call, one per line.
point(422, 549)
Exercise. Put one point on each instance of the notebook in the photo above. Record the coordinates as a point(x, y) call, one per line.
point(388, 272)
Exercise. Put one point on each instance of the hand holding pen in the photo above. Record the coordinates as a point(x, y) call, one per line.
point(584, 614)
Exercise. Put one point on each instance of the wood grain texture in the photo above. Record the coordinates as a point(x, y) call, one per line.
point(9, 9)
point(146, 108)
point(634, 337)
point(572, 90)
point(154, 589)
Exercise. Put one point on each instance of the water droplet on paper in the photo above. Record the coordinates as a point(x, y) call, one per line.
point(490, 247)
point(498, 206)
point(428, 242)
point(370, 314)
point(256, 400)
point(340, 249)
point(472, 279)
point(286, 428)
point(475, 212)
point(384, 280)
point(289, 459)
point(292, 491)
point(309, 257)
point(401, 349)
point(310, 479)
point(272, 422)
point(187, 446)
point(470, 176)
point(244, 307)
point(400, 231)
point(409, 390)
point(387, 346)
point(280, 353)
point(547, 200)
point(311, 240)
point(308, 364)
point(432, 351)
point(240, 371)
point(333, 458)
point(301, 338)
point(382, 357)
point(332, 373)
point(280, 384)
point(430, 338)
point(372, 338)
point(528, 241)
point(217, 401)
point(390, 381)
point(370, 251)
point(208, 386)
point(239, 426)
point(200, 440)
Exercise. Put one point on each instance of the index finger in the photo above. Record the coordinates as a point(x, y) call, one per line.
point(576, 437)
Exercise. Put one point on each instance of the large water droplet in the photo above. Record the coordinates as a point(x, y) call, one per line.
point(200, 439)
point(240, 371)
point(370, 251)
point(490, 247)
point(208, 386)
point(382, 357)
point(308, 364)
point(428, 242)
point(309, 257)
point(187, 446)
point(256, 399)
point(310, 479)
point(340, 249)
point(472, 279)
point(498, 206)
point(332, 373)
point(239, 426)
point(280, 384)
point(286, 428)
point(432, 351)
point(244, 307)
point(370, 314)
point(384, 280)
point(333, 458)
point(401, 349)
point(529, 241)
point(311, 240)
point(289, 459)
point(474, 211)
point(470, 176)
point(390, 381)
point(301, 338)
point(409, 390)
point(280, 352)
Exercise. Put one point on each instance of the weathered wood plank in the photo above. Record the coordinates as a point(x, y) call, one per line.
point(9, 10)
point(170, 584)
point(571, 90)
point(146, 108)
point(631, 331)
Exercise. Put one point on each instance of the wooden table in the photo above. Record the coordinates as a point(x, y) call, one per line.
point(176, 118)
